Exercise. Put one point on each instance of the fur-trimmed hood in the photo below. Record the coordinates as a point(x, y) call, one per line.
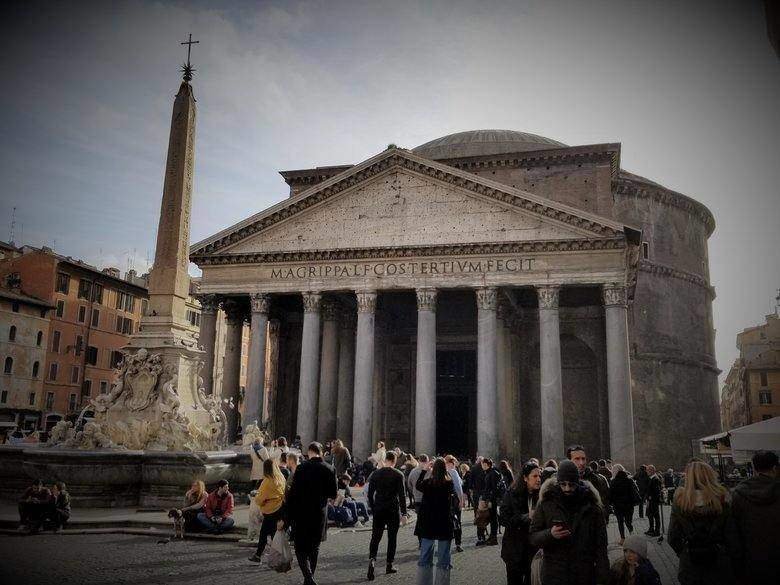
point(550, 491)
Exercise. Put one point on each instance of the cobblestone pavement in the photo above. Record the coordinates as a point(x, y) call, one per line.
point(119, 558)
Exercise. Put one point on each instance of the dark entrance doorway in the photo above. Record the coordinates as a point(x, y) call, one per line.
point(456, 415)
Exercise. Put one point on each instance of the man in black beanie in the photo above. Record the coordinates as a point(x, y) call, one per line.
point(568, 523)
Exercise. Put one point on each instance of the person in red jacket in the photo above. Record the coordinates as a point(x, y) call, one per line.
point(217, 515)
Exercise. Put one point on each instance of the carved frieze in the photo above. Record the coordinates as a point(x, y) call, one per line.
point(548, 296)
point(487, 298)
point(311, 302)
point(426, 299)
point(366, 301)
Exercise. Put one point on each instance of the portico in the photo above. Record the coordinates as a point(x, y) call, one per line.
point(393, 280)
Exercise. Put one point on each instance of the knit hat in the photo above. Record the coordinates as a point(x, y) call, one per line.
point(636, 544)
point(567, 471)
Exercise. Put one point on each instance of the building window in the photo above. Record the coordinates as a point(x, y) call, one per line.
point(32, 399)
point(85, 289)
point(95, 318)
point(15, 306)
point(765, 397)
point(116, 359)
point(645, 251)
point(74, 374)
point(119, 324)
point(60, 309)
point(193, 317)
point(97, 293)
point(92, 355)
point(86, 389)
point(12, 333)
point(72, 402)
point(50, 401)
point(53, 368)
point(63, 282)
point(82, 313)
point(103, 387)
point(39, 338)
point(3, 396)
point(125, 301)
point(124, 325)
point(36, 367)
point(55, 342)
point(43, 313)
point(9, 365)
point(764, 381)
point(79, 344)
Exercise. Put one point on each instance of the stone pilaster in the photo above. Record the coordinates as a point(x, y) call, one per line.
point(362, 421)
point(310, 368)
point(487, 396)
point(254, 393)
point(346, 387)
point(425, 398)
point(621, 413)
point(550, 373)
point(329, 372)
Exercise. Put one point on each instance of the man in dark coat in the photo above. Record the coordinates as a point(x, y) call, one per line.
point(642, 480)
point(655, 496)
point(755, 517)
point(568, 523)
point(492, 494)
point(387, 499)
point(576, 453)
point(307, 507)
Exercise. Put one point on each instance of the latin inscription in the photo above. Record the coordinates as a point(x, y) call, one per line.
point(421, 268)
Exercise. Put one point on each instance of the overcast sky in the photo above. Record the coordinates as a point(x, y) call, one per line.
point(690, 89)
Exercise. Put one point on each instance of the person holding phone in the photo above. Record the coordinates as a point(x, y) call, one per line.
point(568, 523)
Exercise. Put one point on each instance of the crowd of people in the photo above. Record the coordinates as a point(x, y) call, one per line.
point(553, 516)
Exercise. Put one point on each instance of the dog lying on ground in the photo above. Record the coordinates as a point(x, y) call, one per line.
point(178, 522)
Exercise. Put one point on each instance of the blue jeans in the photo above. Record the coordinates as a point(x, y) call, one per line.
point(226, 524)
point(358, 509)
point(442, 553)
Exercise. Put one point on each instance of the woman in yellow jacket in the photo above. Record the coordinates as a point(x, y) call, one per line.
point(270, 499)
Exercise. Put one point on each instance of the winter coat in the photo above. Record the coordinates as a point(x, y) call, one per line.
point(490, 485)
point(435, 519)
point(270, 496)
point(342, 461)
point(642, 480)
point(515, 517)
point(601, 484)
point(622, 492)
point(313, 485)
point(654, 491)
point(217, 505)
point(580, 559)
point(645, 573)
point(477, 479)
point(755, 521)
point(257, 454)
point(683, 528)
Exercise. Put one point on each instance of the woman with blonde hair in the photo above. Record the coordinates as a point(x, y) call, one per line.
point(194, 500)
point(698, 529)
point(270, 499)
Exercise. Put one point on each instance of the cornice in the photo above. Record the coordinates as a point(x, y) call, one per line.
point(668, 271)
point(630, 187)
point(411, 251)
point(403, 159)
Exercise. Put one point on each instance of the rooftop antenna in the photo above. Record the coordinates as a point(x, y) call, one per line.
point(188, 69)
point(13, 225)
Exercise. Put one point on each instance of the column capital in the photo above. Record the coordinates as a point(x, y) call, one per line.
point(209, 304)
point(613, 295)
point(234, 311)
point(311, 302)
point(426, 299)
point(261, 302)
point(330, 310)
point(366, 301)
point(548, 296)
point(487, 298)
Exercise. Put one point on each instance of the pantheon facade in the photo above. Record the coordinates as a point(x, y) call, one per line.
point(490, 292)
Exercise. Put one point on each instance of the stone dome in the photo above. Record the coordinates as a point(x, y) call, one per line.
point(484, 142)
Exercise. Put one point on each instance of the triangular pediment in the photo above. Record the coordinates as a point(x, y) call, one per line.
point(398, 199)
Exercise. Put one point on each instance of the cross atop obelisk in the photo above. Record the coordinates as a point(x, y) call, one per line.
point(188, 69)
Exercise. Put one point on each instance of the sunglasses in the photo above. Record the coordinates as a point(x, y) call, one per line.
point(571, 484)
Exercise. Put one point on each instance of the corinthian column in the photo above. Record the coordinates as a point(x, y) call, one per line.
point(231, 375)
point(310, 368)
point(621, 412)
point(329, 372)
point(362, 418)
point(254, 394)
point(209, 306)
point(345, 402)
point(487, 396)
point(550, 373)
point(425, 397)
point(505, 404)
